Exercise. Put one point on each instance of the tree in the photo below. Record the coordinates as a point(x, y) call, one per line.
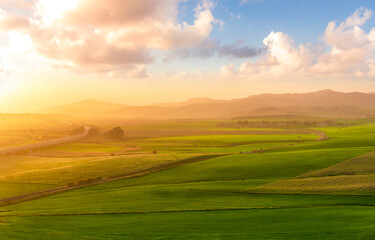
point(78, 130)
point(116, 133)
point(93, 132)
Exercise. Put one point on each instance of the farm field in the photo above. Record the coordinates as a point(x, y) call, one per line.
point(243, 224)
point(295, 186)
point(26, 172)
point(99, 158)
point(21, 129)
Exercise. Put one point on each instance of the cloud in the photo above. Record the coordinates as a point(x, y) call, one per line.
point(111, 34)
point(132, 71)
point(147, 24)
point(211, 48)
point(12, 22)
point(282, 48)
point(117, 13)
point(228, 71)
point(118, 38)
point(238, 50)
point(351, 47)
point(347, 51)
point(359, 17)
point(204, 50)
point(17, 4)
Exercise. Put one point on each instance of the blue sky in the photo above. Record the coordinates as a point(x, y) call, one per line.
point(250, 23)
point(305, 20)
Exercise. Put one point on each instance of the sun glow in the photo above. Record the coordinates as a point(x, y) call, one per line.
point(6, 90)
point(52, 10)
point(20, 43)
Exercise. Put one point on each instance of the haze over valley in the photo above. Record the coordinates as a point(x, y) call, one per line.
point(324, 103)
point(187, 119)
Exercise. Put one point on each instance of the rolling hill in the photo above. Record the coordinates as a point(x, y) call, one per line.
point(325, 103)
point(189, 102)
point(84, 107)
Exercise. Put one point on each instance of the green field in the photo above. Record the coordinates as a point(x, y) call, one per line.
point(295, 188)
point(27, 172)
point(304, 223)
point(87, 147)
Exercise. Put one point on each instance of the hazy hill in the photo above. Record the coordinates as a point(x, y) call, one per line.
point(325, 103)
point(324, 98)
point(85, 107)
point(189, 102)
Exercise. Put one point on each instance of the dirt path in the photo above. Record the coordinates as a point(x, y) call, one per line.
point(45, 144)
point(322, 135)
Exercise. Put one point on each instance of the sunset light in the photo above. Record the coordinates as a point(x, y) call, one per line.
point(52, 10)
point(187, 119)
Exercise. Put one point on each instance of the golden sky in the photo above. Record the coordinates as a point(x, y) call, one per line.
point(142, 52)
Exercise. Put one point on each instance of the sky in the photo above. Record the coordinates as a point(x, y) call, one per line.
point(142, 52)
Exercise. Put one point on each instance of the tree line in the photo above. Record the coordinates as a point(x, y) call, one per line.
point(116, 133)
point(246, 123)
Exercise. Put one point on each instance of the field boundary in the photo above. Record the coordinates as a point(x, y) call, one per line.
point(142, 172)
point(190, 210)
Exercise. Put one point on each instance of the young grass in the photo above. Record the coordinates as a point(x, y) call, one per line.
point(349, 184)
point(44, 171)
point(363, 164)
point(86, 147)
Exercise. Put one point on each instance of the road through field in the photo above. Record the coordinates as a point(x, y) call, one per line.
point(45, 144)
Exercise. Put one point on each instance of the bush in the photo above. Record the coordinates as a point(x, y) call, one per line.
point(93, 132)
point(116, 133)
point(78, 130)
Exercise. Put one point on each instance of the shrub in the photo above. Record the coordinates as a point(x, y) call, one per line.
point(116, 133)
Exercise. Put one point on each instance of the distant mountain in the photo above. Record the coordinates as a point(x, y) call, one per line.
point(325, 103)
point(324, 98)
point(85, 107)
point(189, 102)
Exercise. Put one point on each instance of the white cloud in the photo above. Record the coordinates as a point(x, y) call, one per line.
point(228, 71)
point(351, 46)
point(347, 51)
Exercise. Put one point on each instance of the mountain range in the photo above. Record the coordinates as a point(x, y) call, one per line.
point(325, 103)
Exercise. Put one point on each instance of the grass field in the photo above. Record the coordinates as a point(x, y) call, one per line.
point(363, 164)
point(27, 172)
point(86, 147)
point(83, 160)
point(299, 223)
point(309, 190)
